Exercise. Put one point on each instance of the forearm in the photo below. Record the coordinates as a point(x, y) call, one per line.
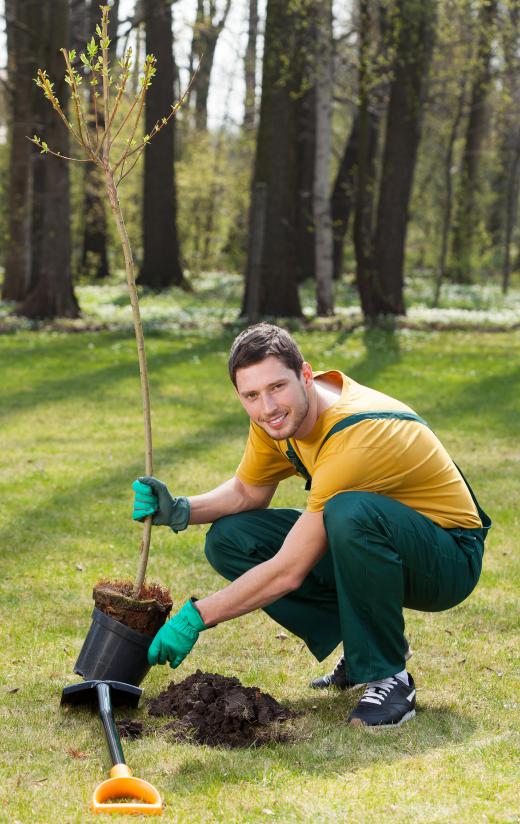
point(258, 587)
point(305, 544)
point(227, 499)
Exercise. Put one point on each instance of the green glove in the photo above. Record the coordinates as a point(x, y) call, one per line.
point(176, 639)
point(153, 498)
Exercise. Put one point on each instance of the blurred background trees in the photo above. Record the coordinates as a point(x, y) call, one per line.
point(321, 140)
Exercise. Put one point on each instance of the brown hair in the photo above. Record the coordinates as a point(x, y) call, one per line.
point(258, 342)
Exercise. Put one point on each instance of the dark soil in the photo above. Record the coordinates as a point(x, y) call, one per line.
point(211, 709)
point(146, 615)
point(128, 728)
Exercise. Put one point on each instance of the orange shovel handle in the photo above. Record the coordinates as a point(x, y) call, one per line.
point(123, 785)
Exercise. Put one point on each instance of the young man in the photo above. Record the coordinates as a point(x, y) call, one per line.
point(390, 523)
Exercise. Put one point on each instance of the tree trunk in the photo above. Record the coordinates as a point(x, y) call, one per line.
point(415, 33)
point(206, 32)
point(448, 207)
point(161, 266)
point(250, 68)
point(511, 212)
point(366, 133)
point(94, 254)
point(21, 38)
point(276, 168)
point(52, 295)
point(323, 116)
point(468, 208)
point(342, 197)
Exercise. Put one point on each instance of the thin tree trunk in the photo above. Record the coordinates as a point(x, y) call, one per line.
point(448, 207)
point(161, 266)
point(321, 205)
point(206, 32)
point(368, 127)
point(250, 68)
point(511, 213)
point(342, 198)
point(468, 206)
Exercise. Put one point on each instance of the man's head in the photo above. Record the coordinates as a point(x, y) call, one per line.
point(258, 342)
point(273, 382)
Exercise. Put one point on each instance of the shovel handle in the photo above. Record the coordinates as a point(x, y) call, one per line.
point(111, 733)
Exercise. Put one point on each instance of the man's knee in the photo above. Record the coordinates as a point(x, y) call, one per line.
point(349, 512)
point(217, 539)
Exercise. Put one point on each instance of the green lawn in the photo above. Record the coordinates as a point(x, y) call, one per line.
point(71, 444)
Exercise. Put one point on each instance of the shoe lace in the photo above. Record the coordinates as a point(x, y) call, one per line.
point(377, 691)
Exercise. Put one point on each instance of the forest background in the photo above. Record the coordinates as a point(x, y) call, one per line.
point(350, 151)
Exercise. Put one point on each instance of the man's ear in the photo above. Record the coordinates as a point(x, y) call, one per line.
point(307, 373)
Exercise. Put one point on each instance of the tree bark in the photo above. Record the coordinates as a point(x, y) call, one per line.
point(161, 266)
point(21, 39)
point(467, 211)
point(365, 138)
point(250, 68)
point(323, 117)
point(342, 198)
point(206, 32)
point(52, 295)
point(414, 44)
point(276, 168)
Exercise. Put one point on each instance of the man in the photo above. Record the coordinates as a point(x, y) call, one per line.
point(390, 523)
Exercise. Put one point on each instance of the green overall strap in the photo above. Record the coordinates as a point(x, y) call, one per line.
point(351, 420)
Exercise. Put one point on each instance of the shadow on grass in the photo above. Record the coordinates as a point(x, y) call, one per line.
point(85, 493)
point(94, 381)
point(328, 747)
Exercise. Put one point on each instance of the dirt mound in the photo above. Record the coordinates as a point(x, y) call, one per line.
point(212, 709)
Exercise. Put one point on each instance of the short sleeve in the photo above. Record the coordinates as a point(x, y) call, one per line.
point(263, 463)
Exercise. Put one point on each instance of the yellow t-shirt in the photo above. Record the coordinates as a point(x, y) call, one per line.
point(399, 458)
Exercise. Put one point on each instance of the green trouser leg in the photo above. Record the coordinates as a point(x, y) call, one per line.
point(239, 542)
point(387, 556)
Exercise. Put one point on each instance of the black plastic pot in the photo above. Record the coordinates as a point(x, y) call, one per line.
point(113, 652)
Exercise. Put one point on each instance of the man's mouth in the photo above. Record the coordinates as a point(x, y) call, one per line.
point(277, 422)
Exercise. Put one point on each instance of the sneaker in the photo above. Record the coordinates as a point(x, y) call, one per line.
point(386, 703)
point(338, 677)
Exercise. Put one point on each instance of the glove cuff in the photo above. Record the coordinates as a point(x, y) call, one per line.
point(193, 616)
point(180, 515)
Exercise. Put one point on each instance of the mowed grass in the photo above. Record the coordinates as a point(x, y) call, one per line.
point(71, 443)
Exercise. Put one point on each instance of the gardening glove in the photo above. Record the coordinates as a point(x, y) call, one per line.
point(153, 498)
point(176, 639)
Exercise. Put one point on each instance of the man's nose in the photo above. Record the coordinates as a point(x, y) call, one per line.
point(268, 404)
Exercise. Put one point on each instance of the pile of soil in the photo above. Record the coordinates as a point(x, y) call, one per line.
point(146, 615)
point(219, 711)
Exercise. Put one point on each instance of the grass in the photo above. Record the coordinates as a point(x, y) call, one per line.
point(71, 443)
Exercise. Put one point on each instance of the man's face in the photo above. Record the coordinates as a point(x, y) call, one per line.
point(275, 397)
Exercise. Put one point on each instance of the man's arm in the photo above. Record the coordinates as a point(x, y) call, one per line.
point(227, 499)
point(303, 547)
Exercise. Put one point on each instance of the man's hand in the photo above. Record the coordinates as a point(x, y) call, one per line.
point(176, 639)
point(153, 498)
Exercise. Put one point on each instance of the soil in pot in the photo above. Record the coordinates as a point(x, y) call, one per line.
point(146, 615)
point(207, 708)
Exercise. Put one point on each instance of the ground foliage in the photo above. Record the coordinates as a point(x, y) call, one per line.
point(71, 446)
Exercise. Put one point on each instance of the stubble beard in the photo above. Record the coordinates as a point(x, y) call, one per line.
point(300, 413)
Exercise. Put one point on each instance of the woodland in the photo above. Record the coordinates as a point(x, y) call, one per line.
point(376, 141)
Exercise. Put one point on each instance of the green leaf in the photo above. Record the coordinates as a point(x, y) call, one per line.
point(92, 47)
point(45, 147)
point(84, 59)
point(72, 54)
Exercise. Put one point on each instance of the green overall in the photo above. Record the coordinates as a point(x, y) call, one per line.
point(382, 556)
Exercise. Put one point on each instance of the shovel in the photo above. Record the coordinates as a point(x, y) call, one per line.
point(108, 796)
